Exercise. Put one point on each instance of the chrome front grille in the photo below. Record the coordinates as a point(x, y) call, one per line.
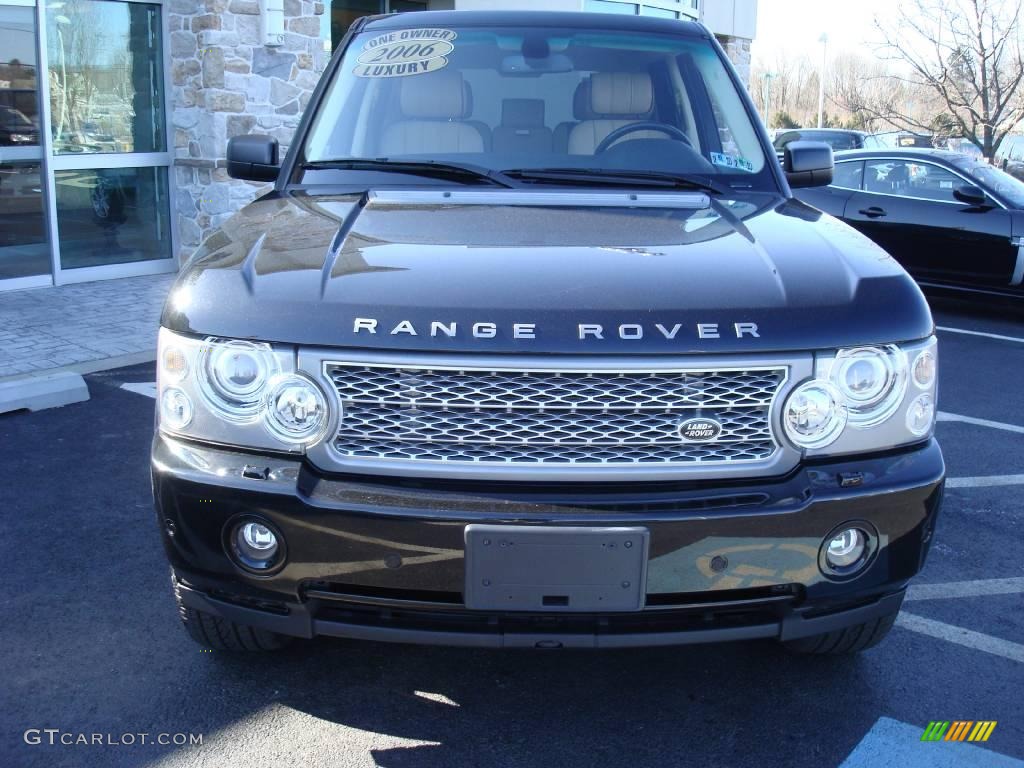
point(463, 416)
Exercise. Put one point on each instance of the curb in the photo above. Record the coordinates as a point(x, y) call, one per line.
point(55, 387)
point(89, 366)
point(49, 390)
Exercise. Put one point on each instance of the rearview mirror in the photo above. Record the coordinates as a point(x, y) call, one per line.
point(808, 163)
point(253, 158)
point(970, 194)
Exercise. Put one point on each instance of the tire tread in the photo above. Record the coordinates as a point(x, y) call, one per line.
point(220, 634)
point(847, 640)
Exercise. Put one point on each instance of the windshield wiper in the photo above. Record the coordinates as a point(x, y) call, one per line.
point(429, 168)
point(585, 176)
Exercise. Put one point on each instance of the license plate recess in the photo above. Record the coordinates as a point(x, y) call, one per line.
point(555, 568)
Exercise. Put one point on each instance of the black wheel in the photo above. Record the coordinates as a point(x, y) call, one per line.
point(853, 639)
point(222, 635)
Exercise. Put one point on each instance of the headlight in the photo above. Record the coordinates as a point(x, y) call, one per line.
point(872, 380)
point(234, 376)
point(237, 393)
point(296, 410)
point(815, 414)
point(863, 399)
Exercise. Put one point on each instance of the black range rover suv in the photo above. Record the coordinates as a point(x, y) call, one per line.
point(532, 346)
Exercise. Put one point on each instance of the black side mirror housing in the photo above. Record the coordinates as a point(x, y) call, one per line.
point(971, 195)
point(808, 164)
point(253, 158)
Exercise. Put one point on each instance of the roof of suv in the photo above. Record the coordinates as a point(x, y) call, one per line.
point(906, 153)
point(553, 19)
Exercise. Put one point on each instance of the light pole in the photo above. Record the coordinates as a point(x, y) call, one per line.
point(821, 79)
point(766, 96)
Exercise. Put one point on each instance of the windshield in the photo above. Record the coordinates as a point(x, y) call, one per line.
point(1002, 184)
point(504, 99)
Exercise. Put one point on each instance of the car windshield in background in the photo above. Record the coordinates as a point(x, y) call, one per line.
point(835, 139)
point(540, 104)
point(1010, 189)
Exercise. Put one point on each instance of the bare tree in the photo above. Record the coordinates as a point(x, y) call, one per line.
point(967, 55)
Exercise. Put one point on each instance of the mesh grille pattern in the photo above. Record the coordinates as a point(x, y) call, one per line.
point(557, 417)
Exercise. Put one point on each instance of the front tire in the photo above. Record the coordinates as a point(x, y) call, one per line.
point(847, 640)
point(220, 634)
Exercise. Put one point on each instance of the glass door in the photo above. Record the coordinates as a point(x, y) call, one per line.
point(106, 104)
point(25, 259)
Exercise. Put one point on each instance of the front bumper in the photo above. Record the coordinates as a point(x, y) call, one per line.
point(384, 559)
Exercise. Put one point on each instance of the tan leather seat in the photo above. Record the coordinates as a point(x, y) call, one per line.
point(616, 99)
point(434, 108)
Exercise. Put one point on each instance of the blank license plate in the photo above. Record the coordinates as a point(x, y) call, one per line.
point(556, 569)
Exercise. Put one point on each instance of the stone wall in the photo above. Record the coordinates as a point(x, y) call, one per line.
point(226, 83)
point(738, 51)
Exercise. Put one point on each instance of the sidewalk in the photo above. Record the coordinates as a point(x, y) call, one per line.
point(82, 327)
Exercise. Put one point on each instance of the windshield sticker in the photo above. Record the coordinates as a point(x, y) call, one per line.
point(405, 52)
point(732, 161)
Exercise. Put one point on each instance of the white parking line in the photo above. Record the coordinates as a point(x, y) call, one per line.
point(891, 742)
point(966, 637)
point(998, 336)
point(145, 388)
point(945, 416)
point(984, 481)
point(976, 588)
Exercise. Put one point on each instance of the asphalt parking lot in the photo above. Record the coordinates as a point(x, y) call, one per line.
point(91, 641)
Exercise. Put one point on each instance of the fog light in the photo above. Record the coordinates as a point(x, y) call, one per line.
point(255, 545)
point(846, 548)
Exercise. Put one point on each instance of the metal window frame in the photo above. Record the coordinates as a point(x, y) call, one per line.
point(51, 163)
point(914, 161)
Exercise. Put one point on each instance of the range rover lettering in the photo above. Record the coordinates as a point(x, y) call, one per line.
point(531, 346)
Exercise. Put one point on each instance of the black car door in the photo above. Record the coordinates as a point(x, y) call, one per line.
point(846, 179)
point(907, 206)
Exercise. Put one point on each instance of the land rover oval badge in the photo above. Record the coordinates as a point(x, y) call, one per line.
point(699, 430)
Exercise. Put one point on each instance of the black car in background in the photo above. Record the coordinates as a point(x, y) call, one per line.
point(16, 129)
point(949, 219)
point(1010, 156)
point(899, 140)
point(837, 138)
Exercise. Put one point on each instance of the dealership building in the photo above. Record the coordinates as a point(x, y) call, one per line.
point(115, 114)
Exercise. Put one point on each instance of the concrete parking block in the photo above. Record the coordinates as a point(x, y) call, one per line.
point(36, 393)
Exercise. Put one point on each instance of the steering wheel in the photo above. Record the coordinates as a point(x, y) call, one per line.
point(669, 130)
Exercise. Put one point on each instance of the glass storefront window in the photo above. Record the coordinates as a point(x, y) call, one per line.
point(112, 216)
point(664, 13)
point(106, 87)
point(342, 14)
point(24, 251)
point(610, 6)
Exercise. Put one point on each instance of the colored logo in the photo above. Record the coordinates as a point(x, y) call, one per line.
point(959, 730)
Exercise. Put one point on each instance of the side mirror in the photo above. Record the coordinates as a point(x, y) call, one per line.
point(808, 163)
point(971, 195)
point(253, 158)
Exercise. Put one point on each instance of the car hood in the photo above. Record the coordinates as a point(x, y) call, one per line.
point(518, 271)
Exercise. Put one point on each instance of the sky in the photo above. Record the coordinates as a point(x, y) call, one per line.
point(794, 27)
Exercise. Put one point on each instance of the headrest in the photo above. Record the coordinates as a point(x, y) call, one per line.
point(581, 101)
point(522, 113)
point(439, 95)
point(621, 93)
